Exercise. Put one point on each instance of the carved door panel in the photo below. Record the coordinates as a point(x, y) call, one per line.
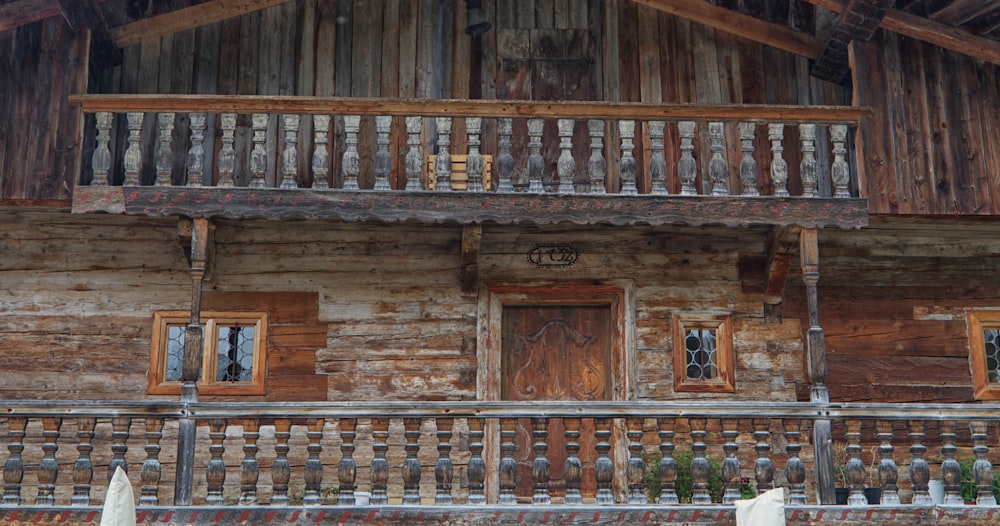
point(556, 352)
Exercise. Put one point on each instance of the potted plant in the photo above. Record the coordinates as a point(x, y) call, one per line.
point(840, 458)
point(683, 485)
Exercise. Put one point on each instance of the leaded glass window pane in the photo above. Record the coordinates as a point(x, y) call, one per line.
point(175, 352)
point(702, 359)
point(234, 354)
point(991, 340)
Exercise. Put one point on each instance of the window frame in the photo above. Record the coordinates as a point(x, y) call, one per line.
point(726, 380)
point(977, 322)
point(211, 320)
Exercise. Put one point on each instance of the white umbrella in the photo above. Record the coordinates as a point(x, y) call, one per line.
point(119, 505)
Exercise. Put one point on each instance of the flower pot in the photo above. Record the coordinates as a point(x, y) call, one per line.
point(936, 488)
point(873, 495)
point(841, 494)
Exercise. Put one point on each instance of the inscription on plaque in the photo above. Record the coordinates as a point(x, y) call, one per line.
point(558, 255)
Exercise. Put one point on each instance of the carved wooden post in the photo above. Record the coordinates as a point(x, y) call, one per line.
point(350, 165)
point(566, 165)
point(347, 470)
point(687, 167)
point(119, 438)
point(249, 468)
point(508, 466)
point(380, 466)
point(133, 155)
point(165, 154)
point(636, 468)
point(314, 466)
point(281, 471)
point(474, 160)
point(505, 161)
point(383, 161)
point(795, 469)
point(779, 167)
point(101, 160)
point(321, 158)
point(763, 468)
point(597, 167)
point(668, 466)
point(227, 155)
point(807, 169)
point(442, 163)
point(951, 471)
point(888, 473)
point(855, 468)
point(838, 172)
point(982, 470)
point(290, 154)
point(443, 470)
point(730, 464)
point(215, 471)
point(83, 468)
point(477, 466)
point(536, 163)
point(411, 466)
point(48, 468)
point(540, 465)
point(920, 472)
point(718, 169)
point(748, 165)
point(604, 469)
point(414, 161)
point(150, 474)
point(699, 464)
point(572, 468)
point(627, 162)
point(196, 154)
point(258, 156)
point(657, 164)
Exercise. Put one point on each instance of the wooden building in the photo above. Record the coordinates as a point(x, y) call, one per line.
point(402, 261)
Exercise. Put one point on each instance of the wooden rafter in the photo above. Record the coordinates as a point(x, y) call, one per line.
point(859, 21)
point(21, 12)
point(962, 11)
point(188, 18)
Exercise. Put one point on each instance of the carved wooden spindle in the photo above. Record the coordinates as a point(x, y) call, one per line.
point(838, 172)
point(281, 471)
point(572, 468)
point(730, 464)
point(83, 468)
point(119, 445)
point(321, 158)
point(258, 156)
point(597, 168)
point(951, 471)
point(635, 470)
point(101, 161)
point(748, 165)
point(164, 153)
point(699, 463)
point(442, 163)
point(888, 473)
point(227, 154)
point(290, 154)
point(687, 167)
point(350, 165)
point(133, 154)
point(808, 168)
point(668, 466)
point(508, 466)
point(795, 469)
point(627, 168)
point(443, 470)
point(314, 466)
point(855, 468)
point(474, 159)
point(151, 468)
point(540, 465)
point(383, 161)
point(477, 466)
point(763, 468)
point(249, 468)
point(566, 165)
point(411, 466)
point(718, 169)
point(536, 163)
point(505, 161)
point(347, 470)
point(414, 161)
point(48, 468)
point(380, 466)
point(920, 472)
point(604, 469)
point(779, 167)
point(657, 163)
point(982, 470)
point(196, 154)
point(13, 467)
point(215, 471)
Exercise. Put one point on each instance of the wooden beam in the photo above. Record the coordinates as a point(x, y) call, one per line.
point(962, 11)
point(471, 237)
point(188, 18)
point(741, 25)
point(781, 241)
point(21, 12)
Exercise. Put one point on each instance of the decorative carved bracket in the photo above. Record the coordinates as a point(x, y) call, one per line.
point(859, 21)
point(471, 236)
point(185, 233)
point(781, 241)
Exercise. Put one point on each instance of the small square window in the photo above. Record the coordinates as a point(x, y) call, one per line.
point(984, 349)
point(703, 354)
point(233, 360)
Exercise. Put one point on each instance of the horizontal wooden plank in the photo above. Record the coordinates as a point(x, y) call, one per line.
point(187, 18)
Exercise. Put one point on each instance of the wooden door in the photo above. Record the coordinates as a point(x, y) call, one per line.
point(556, 352)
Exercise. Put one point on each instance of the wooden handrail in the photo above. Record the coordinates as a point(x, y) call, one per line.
point(464, 107)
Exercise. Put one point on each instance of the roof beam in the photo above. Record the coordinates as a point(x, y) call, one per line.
point(188, 18)
point(740, 25)
point(21, 12)
point(859, 21)
point(962, 11)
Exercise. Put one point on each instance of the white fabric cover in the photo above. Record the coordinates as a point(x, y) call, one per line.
point(768, 509)
point(119, 505)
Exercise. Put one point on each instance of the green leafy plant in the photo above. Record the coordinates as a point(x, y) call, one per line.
point(970, 492)
point(747, 489)
point(683, 484)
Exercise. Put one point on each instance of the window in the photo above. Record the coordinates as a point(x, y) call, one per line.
point(233, 361)
point(703, 354)
point(984, 343)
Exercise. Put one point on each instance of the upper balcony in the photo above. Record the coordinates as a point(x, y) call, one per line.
point(470, 161)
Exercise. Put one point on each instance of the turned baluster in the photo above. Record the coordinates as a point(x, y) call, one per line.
point(566, 165)
point(888, 473)
point(477, 466)
point(982, 470)
point(443, 470)
point(442, 163)
point(249, 468)
point(779, 167)
point(597, 168)
point(699, 463)
point(13, 468)
point(474, 159)
point(668, 466)
point(635, 470)
point(807, 169)
point(657, 163)
point(151, 468)
point(165, 154)
point(505, 161)
point(380, 466)
point(347, 470)
point(281, 471)
point(730, 464)
point(508, 466)
point(687, 167)
point(536, 163)
point(314, 466)
point(573, 467)
point(258, 156)
point(290, 154)
point(133, 154)
point(718, 169)
point(795, 469)
point(83, 468)
point(604, 469)
point(196, 154)
point(101, 160)
point(627, 168)
point(215, 471)
point(350, 164)
point(227, 155)
point(383, 161)
point(414, 161)
point(411, 466)
point(855, 468)
point(48, 468)
point(763, 468)
point(838, 172)
point(540, 465)
point(920, 472)
point(321, 158)
point(748, 165)
point(951, 471)
point(119, 438)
